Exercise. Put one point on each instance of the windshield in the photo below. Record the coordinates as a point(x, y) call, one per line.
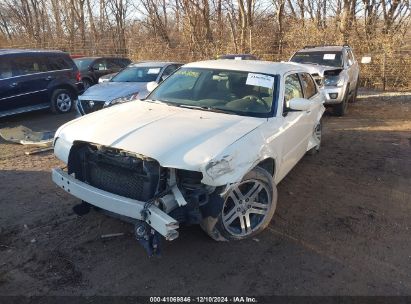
point(83, 63)
point(232, 92)
point(333, 59)
point(137, 74)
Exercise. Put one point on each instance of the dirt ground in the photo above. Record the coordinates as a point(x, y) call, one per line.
point(342, 225)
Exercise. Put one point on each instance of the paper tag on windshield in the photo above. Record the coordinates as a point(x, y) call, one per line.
point(238, 58)
point(260, 80)
point(153, 71)
point(329, 56)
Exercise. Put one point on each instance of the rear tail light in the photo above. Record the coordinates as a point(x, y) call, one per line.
point(78, 76)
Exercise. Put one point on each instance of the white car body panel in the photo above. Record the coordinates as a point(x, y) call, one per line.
point(189, 139)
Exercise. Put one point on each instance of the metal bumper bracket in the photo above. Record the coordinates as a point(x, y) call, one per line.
point(159, 220)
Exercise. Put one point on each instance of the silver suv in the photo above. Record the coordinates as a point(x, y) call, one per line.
point(335, 70)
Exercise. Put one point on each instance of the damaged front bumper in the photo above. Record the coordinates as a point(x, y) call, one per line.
point(157, 219)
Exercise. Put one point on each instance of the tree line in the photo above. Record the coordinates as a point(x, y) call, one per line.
point(204, 28)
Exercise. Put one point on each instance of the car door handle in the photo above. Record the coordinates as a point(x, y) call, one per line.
point(49, 78)
point(14, 84)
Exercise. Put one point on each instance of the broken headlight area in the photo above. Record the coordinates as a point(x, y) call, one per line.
point(333, 78)
point(121, 100)
point(215, 169)
point(115, 171)
point(177, 193)
point(318, 79)
point(196, 194)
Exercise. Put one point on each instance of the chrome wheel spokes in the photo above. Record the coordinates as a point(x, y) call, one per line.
point(63, 102)
point(245, 207)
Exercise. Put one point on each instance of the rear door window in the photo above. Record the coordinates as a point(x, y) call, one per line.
point(100, 65)
point(26, 65)
point(114, 64)
point(308, 85)
point(123, 62)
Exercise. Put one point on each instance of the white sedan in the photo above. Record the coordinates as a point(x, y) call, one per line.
point(208, 146)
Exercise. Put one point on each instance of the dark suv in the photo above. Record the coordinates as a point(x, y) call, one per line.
point(92, 68)
point(37, 79)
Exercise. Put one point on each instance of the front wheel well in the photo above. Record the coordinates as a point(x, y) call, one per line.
point(268, 164)
point(66, 87)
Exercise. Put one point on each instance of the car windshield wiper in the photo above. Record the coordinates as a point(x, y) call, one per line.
point(210, 109)
point(306, 62)
point(226, 111)
point(193, 107)
point(162, 102)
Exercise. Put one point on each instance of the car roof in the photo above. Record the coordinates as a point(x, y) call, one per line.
point(25, 51)
point(255, 66)
point(151, 63)
point(101, 57)
point(237, 55)
point(82, 58)
point(325, 48)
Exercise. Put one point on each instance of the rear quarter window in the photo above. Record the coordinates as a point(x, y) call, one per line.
point(55, 63)
point(26, 65)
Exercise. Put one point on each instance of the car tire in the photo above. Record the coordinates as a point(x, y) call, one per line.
point(353, 98)
point(341, 108)
point(62, 101)
point(87, 83)
point(317, 134)
point(240, 218)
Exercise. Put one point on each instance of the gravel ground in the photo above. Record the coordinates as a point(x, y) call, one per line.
point(342, 225)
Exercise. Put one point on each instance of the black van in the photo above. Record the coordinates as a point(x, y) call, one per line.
point(37, 79)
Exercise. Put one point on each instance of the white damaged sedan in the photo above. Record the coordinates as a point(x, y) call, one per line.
point(208, 146)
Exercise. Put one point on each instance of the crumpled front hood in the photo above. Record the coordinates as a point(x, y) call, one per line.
point(320, 69)
point(108, 91)
point(175, 137)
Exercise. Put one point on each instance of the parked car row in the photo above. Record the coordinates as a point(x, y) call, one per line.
point(32, 80)
point(333, 67)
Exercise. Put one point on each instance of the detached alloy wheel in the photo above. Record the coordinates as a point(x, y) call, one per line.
point(61, 101)
point(249, 206)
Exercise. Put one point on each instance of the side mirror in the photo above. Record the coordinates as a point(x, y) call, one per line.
point(366, 59)
point(299, 104)
point(151, 86)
